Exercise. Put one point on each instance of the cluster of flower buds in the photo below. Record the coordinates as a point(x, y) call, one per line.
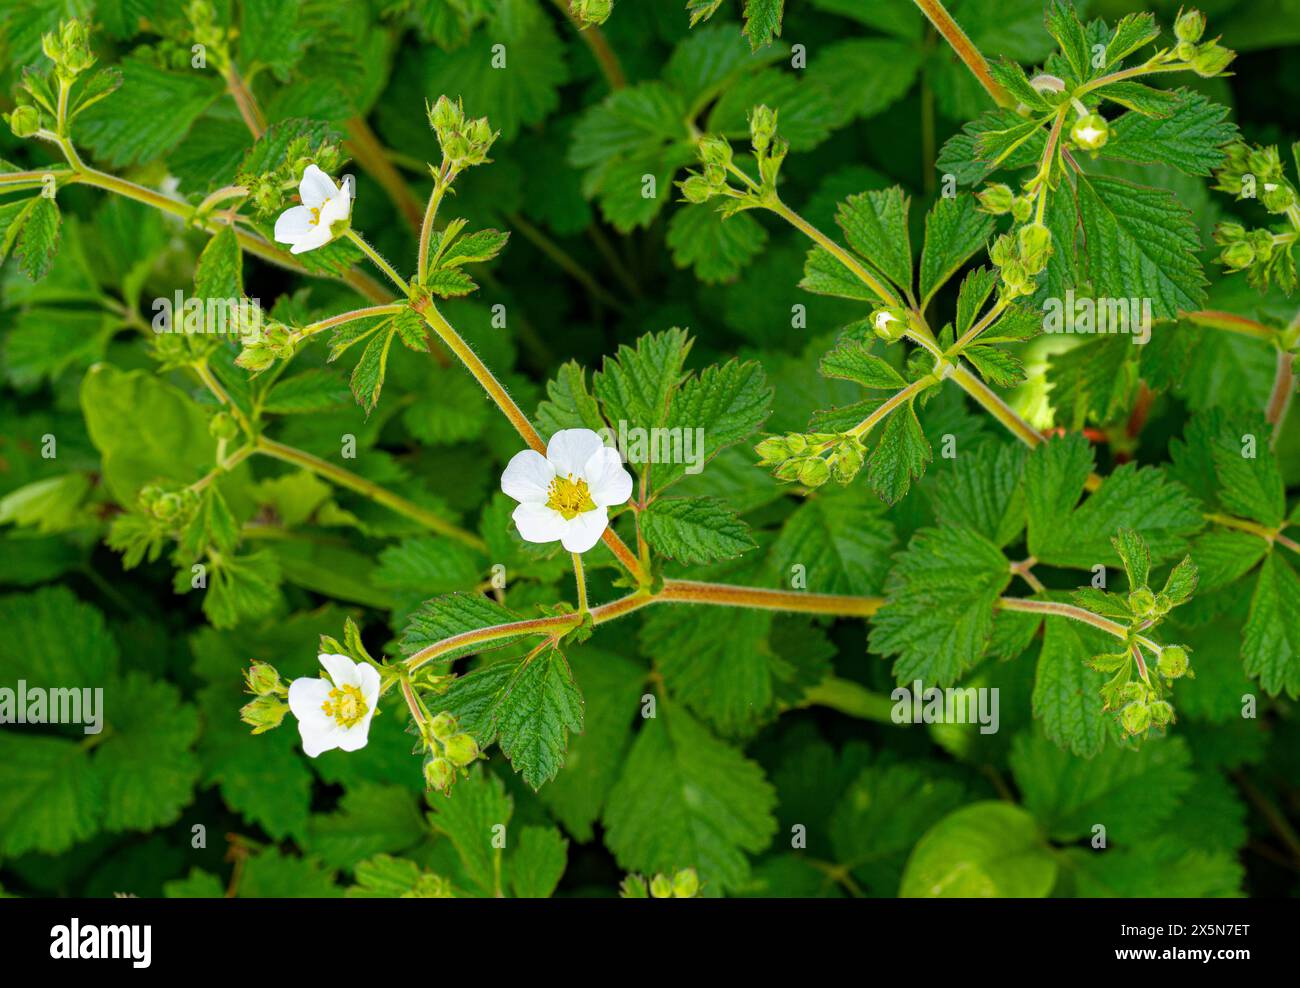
point(999, 199)
point(1205, 58)
point(589, 12)
point(274, 341)
point(1021, 258)
point(267, 709)
point(715, 157)
point(69, 49)
point(174, 507)
point(683, 884)
point(464, 141)
point(1142, 709)
point(1256, 173)
point(812, 459)
point(1252, 251)
point(451, 749)
point(769, 147)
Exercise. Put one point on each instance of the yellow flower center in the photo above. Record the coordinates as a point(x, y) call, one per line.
point(315, 215)
point(346, 705)
point(569, 497)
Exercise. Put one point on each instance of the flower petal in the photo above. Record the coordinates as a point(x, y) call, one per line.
point(317, 730)
point(355, 737)
point(317, 740)
point(570, 449)
point(583, 531)
point(608, 482)
point(341, 669)
point(318, 237)
point(368, 682)
point(335, 208)
point(316, 187)
point(527, 477)
point(538, 523)
point(293, 224)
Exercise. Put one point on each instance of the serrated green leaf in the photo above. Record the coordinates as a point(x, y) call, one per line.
point(695, 529)
point(954, 230)
point(1271, 643)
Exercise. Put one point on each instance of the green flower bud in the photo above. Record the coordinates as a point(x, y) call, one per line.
point(261, 679)
point(1141, 601)
point(773, 450)
point(439, 774)
point(1134, 692)
point(444, 726)
point(762, 127)
point(788, 471)
point(814, 472)
point(996, 199)
point(167, 506)
point(686, 884)
point(1184, 51)
point(697, 189)
point(1277, 198)
point(1136, 718)
point(1163, 605)
point(25, 121)
point(715, 151)
point(1262, 242)
point(1016, 278)
point(1211, 59)
point(461, 749)
point(1003, 250)
point(797, 443)
point(848, 462)
point(1162, 713)
point(1227, 233)
point(889, 324)
point(1021, 208)
point(1173, 662)
point(1190, 25)
point(1035, 247)
point(1238, 256)
point(590, 12)
point(263, 714)
point(222, 425)
point(1090, 132)
point(1265, 162)
point(661, 887)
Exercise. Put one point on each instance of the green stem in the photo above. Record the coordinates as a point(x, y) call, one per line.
point(441, 182)
point(367, 488)
point(581, 580)
point(379, 261)
point(836, 251)
point(965, 49)
point(850, 698)
point(346, 317)
point(1231, 323)
point(1076, 614)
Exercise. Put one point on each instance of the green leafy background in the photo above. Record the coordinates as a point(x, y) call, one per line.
point(830, 799)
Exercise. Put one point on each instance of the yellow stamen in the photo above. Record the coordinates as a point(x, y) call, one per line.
point(346, 705)
point(569, 497)
point(315, 215)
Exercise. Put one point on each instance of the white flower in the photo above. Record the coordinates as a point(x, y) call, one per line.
point(307, 227)
point(335, 714)
point(565, 494)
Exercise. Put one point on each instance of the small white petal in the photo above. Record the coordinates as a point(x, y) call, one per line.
point(341, 669)
point(368, 683)
point(318, 740)
point(538, 523)
point(293, 224)
point(527, 477)
point(318, 237)
point(316, 187)
point(306, 696)
point(570, 449)
point(335, 208)
point(583, 531)
point(354, 738)
point(608, 483)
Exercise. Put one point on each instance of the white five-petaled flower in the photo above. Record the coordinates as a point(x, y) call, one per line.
point(335, 714)
point(307, 227)
point(566, 494)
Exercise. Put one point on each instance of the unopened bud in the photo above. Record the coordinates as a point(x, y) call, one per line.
point(1090, 132)
point(1136, 718)
point(1141, 601)
point(264, 714)
point(889, 324)
point(996, 199)
point(661, 887)
point(773, 450)
point(762, 127)
point(1035, 247)
point(25, 121)
point(686, 883)
point(1173, 662)
point(1211, 59)
point(461, 749)
point(1238, 256)
point(439, 774)
point(261, 679)
point(1162, 713)
point(814, 472)
point(1190, 25)
point(444, 726)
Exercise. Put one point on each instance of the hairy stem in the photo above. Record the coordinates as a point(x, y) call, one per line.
point(1283, 388)
point(378, 260)
point(595, 40)
point(1075, 614)
point(835, 250)
point(1232, 323)
point(965, 49)
point(367, 488)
